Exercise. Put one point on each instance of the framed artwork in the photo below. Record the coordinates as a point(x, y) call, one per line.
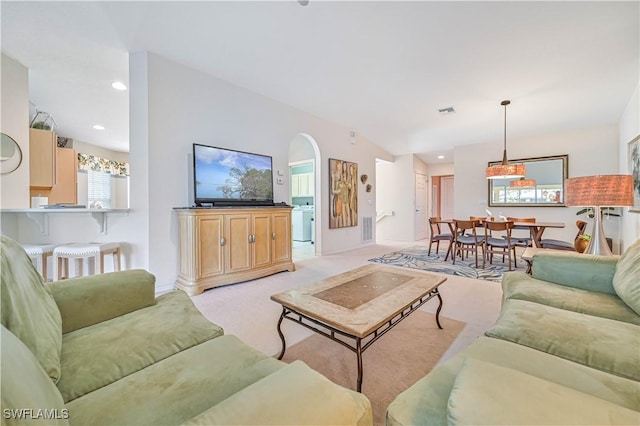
point(634, 169)
point(343, 184)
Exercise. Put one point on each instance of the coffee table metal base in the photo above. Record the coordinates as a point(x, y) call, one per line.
point(360, 344)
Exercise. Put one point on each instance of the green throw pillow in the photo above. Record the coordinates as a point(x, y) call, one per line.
point(28, 394)
point(28, 309)
point(626, 280)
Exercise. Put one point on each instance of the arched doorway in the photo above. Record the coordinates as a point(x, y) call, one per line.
point(305, 196)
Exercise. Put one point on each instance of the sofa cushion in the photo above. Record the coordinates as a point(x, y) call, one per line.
point(103, 353)
point(426, 401)
point(601, 343)
point(485, 393)
point(519, 285)
point(282, 398)
point(626, 280)
point(28, 309)
point(27, 387)
point(172, 391)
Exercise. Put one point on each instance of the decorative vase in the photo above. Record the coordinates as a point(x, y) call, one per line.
point(580, 245)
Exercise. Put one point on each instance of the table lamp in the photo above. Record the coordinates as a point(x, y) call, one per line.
point(599, 191)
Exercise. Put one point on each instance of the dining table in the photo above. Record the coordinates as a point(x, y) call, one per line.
point(536, 228)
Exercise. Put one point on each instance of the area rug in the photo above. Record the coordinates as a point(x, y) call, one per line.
point(392, 364)
point(417, 258)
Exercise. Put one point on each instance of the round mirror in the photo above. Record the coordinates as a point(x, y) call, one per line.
point(10, 154)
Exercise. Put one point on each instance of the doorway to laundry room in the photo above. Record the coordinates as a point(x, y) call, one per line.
point(302, 178)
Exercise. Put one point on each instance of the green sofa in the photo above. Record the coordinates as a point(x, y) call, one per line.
point(564, 350)
point(104, 350)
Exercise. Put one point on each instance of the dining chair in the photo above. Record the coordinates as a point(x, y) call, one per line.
point(481, 220)
point(437, 235)
point(550, 243)
point(521, 241)
point(498, 241)
point(465, 239)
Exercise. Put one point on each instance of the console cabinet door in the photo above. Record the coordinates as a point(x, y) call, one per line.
point(281, 237)
point(261, 245)
point(210, 243)
point(238, 236)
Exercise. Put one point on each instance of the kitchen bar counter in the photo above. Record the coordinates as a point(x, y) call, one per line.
point(41, 215)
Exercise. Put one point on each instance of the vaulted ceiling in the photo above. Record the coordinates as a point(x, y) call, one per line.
point(383, 69)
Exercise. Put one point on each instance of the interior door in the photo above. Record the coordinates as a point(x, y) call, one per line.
point(446, 197)
point(421, 207)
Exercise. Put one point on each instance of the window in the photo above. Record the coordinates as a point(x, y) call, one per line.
point(99, 189)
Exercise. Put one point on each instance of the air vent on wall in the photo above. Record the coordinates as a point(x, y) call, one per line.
point(367, 229)
point(447, 110)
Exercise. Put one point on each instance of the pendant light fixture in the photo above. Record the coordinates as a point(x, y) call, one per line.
point(505, 170)
point(523, 183)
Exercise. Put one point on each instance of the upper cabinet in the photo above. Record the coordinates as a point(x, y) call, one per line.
point(53, 171)
point(42, 158)
point(302, 185)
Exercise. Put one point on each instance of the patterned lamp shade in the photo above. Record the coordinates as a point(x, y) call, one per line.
point(523, 183)
point(506, 171)
point(600, 190)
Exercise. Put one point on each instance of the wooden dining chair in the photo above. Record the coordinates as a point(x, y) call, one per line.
point(519, 240)
point(437, 235)
point(465, 239)
point(498, 241)
point(550, 243)
point(481, 220)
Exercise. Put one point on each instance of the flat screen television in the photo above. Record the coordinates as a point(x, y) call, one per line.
point(225, 177)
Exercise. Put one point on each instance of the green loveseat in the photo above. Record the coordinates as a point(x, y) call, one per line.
point(564, 350)
point(104, 350)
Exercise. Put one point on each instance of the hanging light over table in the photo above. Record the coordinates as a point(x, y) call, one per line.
point(505, 170)
point(523, 183)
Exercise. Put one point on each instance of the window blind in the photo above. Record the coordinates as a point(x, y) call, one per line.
point(99, 189)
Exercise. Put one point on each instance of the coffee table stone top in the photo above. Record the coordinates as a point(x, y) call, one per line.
point(360, 300)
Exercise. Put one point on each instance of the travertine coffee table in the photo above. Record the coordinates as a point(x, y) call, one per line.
point(360, 305)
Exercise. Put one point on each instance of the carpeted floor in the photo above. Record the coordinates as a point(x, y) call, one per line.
point(417, 258)
point(392, 364)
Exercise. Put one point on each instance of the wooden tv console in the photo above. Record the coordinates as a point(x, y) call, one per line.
point(220, 246)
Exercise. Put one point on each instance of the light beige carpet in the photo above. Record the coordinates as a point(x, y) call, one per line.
point(392, 364)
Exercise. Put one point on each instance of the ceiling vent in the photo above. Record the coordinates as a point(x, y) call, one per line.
point(447, 110)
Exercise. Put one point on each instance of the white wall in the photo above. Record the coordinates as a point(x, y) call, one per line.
point(186, 106)
point(591, 151)
point(14, 121)
point(629, 129)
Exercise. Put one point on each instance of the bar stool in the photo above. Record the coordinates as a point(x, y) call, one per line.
point(80, 251)
point(40, 254)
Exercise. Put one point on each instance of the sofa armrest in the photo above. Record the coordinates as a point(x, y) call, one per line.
point(89, 300)
point(588, 272)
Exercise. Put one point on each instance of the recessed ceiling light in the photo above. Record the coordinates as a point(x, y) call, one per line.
point(440, 157)
point(98, 126)
point(447, 110)
point(118, 85)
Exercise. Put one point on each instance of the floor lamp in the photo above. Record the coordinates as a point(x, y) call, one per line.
point(599, 191)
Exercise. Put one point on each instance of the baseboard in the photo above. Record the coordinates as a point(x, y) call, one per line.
point(164, 288)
